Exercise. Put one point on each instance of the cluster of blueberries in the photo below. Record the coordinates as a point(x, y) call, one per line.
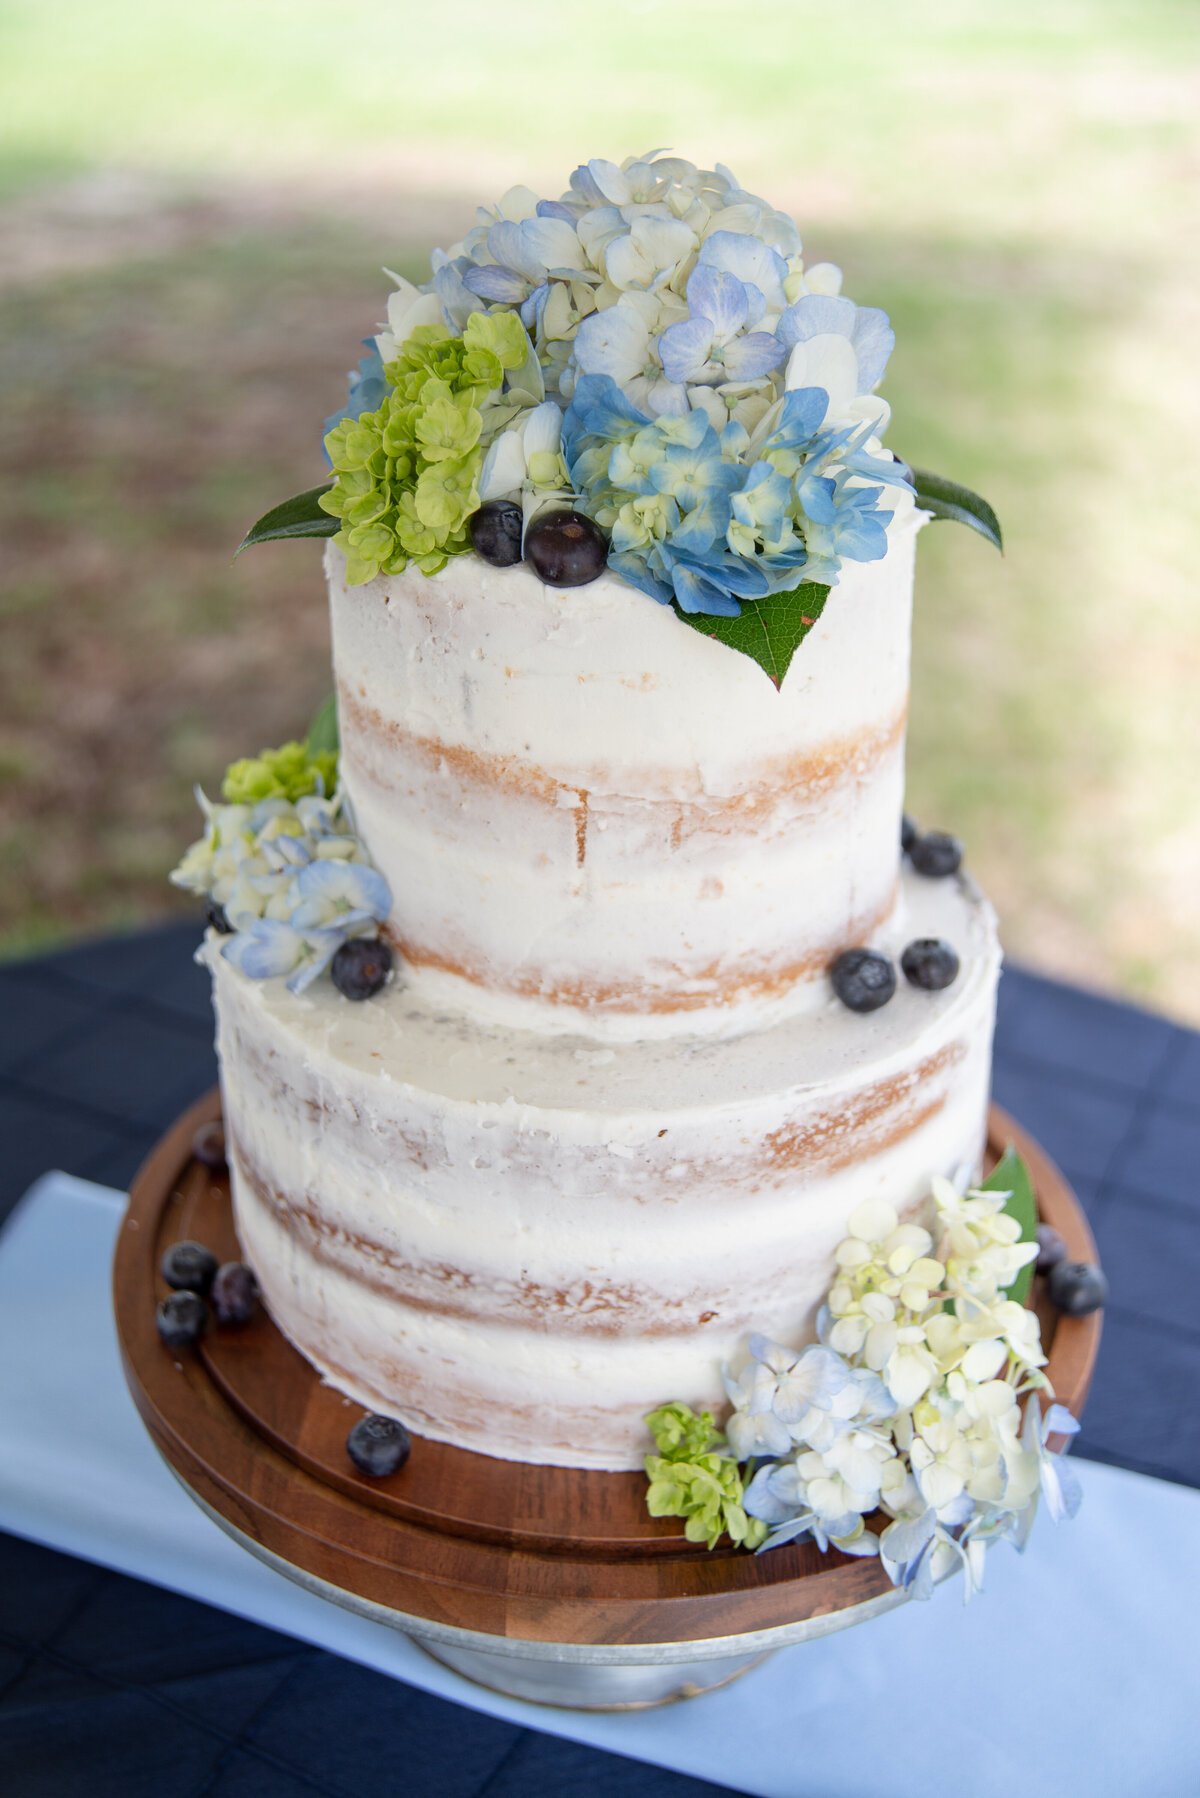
point(378, 1446)
point(1073, 1287)
point(196, 1278)
point(863, 979)
point(564, 548)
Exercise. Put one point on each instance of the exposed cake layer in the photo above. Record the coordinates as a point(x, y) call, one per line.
point(594, 818)
point(521, 1243)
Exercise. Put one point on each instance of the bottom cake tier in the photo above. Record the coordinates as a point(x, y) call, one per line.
point(519, 1244)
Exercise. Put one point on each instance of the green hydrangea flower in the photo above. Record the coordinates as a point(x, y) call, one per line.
point(705, 1488)
point(290, 772)
point(500, 334)
point(708, 1493)
point(406, 476)
point(680, 1433)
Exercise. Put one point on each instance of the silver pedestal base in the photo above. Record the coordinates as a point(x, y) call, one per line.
point(586, 1686)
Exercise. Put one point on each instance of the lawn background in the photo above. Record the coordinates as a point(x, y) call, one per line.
point(195, 203)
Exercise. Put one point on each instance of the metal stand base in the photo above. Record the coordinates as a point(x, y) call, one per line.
point(580, 1686)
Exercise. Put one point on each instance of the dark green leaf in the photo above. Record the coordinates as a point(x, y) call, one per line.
point(299, 517)
point(946, 499)
point(1011, 1175)
point(323, 731)
point(769, 631)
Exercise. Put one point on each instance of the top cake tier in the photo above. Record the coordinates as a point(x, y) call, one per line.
point(594, 821)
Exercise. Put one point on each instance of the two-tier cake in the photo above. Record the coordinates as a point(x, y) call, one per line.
point(609, 1113)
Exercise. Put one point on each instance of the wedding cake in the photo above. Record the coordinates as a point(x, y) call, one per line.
point(620, 597)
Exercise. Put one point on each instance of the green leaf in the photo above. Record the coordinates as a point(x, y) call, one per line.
point(946, 499)
point(770, 630)
point(323, 732)
point(1011, 1175)
point(299, 517)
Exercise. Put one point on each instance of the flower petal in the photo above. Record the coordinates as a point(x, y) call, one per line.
point(826, 361)
point(553, 242)
point(614, 342)
point(503, 468)
point(815, 314)
point(493, 283)
point(597, 228)
point(873, 340)
point(508, 245)
point(611, 182)
point(698, 593)
point(353, 884)
point(718, 296)
point(684, 349)
point(752, 261)
point(1061, 1488)
point(748, 357)
point(631, 568)
point(267, 949)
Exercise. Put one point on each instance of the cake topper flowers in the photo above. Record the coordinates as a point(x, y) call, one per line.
point(650, 355)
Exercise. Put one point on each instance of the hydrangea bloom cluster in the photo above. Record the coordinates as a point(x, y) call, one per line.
point(657, 331)
point(693, 1476)
point(910, 1403)
point(406, 475)
point(292, 878)
point(292, 771)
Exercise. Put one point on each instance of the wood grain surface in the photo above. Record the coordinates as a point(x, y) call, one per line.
point(546, 1554)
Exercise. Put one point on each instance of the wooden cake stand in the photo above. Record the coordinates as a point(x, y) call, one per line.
point(547, 1583)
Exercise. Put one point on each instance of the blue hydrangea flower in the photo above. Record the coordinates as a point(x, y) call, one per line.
point(711, 519)
point(346, 893)
point(272, 946)
point(712, 345)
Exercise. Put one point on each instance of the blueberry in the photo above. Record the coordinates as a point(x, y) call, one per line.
point(935, 854)
point(1051, 1248)
point(565, 549)
point(208, 1146)
point(361, 966)
point(181, 1319)
point(189, 1267)
point(234, 1293)
point(496, 532)
point(930, 964)
point(378, 1446)
point(214, 917)
point(1077, 1287)
point(908, 833)
point(863, 979)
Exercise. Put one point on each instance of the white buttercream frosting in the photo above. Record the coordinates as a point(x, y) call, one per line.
point(592, 817)
point(522, 1242)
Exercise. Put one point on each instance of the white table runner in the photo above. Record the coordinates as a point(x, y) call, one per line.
point(1074, 1671)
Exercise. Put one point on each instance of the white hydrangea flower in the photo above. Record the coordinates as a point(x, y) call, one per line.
point(957, 1452)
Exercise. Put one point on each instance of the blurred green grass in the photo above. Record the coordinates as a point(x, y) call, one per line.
point(194, 205)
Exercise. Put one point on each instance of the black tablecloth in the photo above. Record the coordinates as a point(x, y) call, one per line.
point(112, 1687)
